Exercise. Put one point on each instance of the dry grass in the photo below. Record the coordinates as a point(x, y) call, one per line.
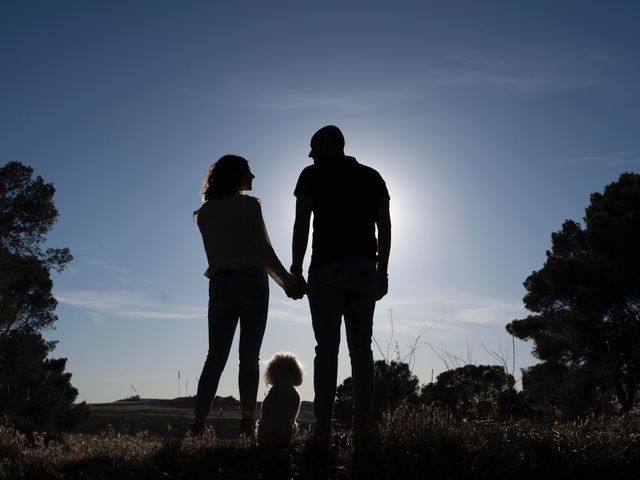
point(413, 442)
point(34, 457)
point(425, 439)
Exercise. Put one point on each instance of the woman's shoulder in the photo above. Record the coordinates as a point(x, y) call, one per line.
point(228, 206)
point(249, 199)
point(223, 202)
point(249, 203)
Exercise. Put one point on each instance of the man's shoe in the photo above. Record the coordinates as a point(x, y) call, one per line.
point(322, 433)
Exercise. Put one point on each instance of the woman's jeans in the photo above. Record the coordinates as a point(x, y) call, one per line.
point(234, 294)
point(343, 288)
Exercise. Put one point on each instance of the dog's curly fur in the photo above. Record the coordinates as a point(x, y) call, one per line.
point(284, 368)
point(281, 405)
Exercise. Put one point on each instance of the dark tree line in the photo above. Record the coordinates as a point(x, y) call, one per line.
point(35, 391)
point(469, 391)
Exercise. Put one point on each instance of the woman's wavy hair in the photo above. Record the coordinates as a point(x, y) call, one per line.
point(284, 368)
point(224, 177)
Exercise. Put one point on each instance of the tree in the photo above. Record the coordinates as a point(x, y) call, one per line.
point(34, 389)
point(585, 302)
point(477, 390)
point(394, 383)
point(551, 388)
point(27, 213)
point(35, 392)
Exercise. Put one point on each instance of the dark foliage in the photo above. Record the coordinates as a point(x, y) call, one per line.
point(476, 391)
point(585, 304)
point(394, 383)
point(35, 391)
point(26, 301)
point(555, 389)
point(27, 213)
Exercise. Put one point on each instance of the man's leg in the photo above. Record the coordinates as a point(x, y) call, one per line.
point(360, 305)
point(326, 302)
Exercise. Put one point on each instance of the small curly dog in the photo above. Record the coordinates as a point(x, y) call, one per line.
point(281, 405)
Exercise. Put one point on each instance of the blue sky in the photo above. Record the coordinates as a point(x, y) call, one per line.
point(492, 122)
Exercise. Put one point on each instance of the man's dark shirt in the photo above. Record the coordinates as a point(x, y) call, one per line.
point(345, 197)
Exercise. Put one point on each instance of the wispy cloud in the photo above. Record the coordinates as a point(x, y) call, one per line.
point(365, 99)
point(124, 304)
point(520, 71)
point(614, 159)
point(289, 311)
point(450, 310)
point(454, 308)
point(107, 264)
point(514, 70)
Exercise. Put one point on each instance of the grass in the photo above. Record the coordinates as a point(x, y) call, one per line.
point(413, 442)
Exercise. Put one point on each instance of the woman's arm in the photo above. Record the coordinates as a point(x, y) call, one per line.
point(260, 240)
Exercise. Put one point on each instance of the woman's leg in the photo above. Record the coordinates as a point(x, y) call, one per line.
point(254, 306)
point(223, 319)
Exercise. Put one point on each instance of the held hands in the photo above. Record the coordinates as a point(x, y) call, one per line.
point(296, 287)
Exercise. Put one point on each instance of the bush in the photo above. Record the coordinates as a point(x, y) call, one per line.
point(394, 383)
point(475, 390)
point(35, 392)
point(553, 389)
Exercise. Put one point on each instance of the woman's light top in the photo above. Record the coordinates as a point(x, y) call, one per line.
point(235, 236)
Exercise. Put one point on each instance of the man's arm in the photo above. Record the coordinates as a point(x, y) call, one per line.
point(300, 234)
point(383, 224)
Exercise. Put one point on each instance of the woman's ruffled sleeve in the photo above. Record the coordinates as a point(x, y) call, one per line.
point(260, 241)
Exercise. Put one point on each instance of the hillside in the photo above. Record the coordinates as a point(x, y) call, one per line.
point(170, 417)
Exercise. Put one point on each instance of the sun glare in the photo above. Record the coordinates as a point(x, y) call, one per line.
point(406, 209)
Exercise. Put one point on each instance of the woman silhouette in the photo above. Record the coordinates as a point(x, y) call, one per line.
point(240, 256)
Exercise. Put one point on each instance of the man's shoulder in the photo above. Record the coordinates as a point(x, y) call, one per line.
point(372, 180)
point(371, 172)
point(368, 171)
point(306, 181)
point(309, 170)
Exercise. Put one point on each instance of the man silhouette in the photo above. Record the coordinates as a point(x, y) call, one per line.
point(348, 270)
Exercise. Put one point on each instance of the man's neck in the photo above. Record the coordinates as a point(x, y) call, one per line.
point(340, 157)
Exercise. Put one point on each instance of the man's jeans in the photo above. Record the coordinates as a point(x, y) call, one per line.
point(346, 287)
point(234, 294)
